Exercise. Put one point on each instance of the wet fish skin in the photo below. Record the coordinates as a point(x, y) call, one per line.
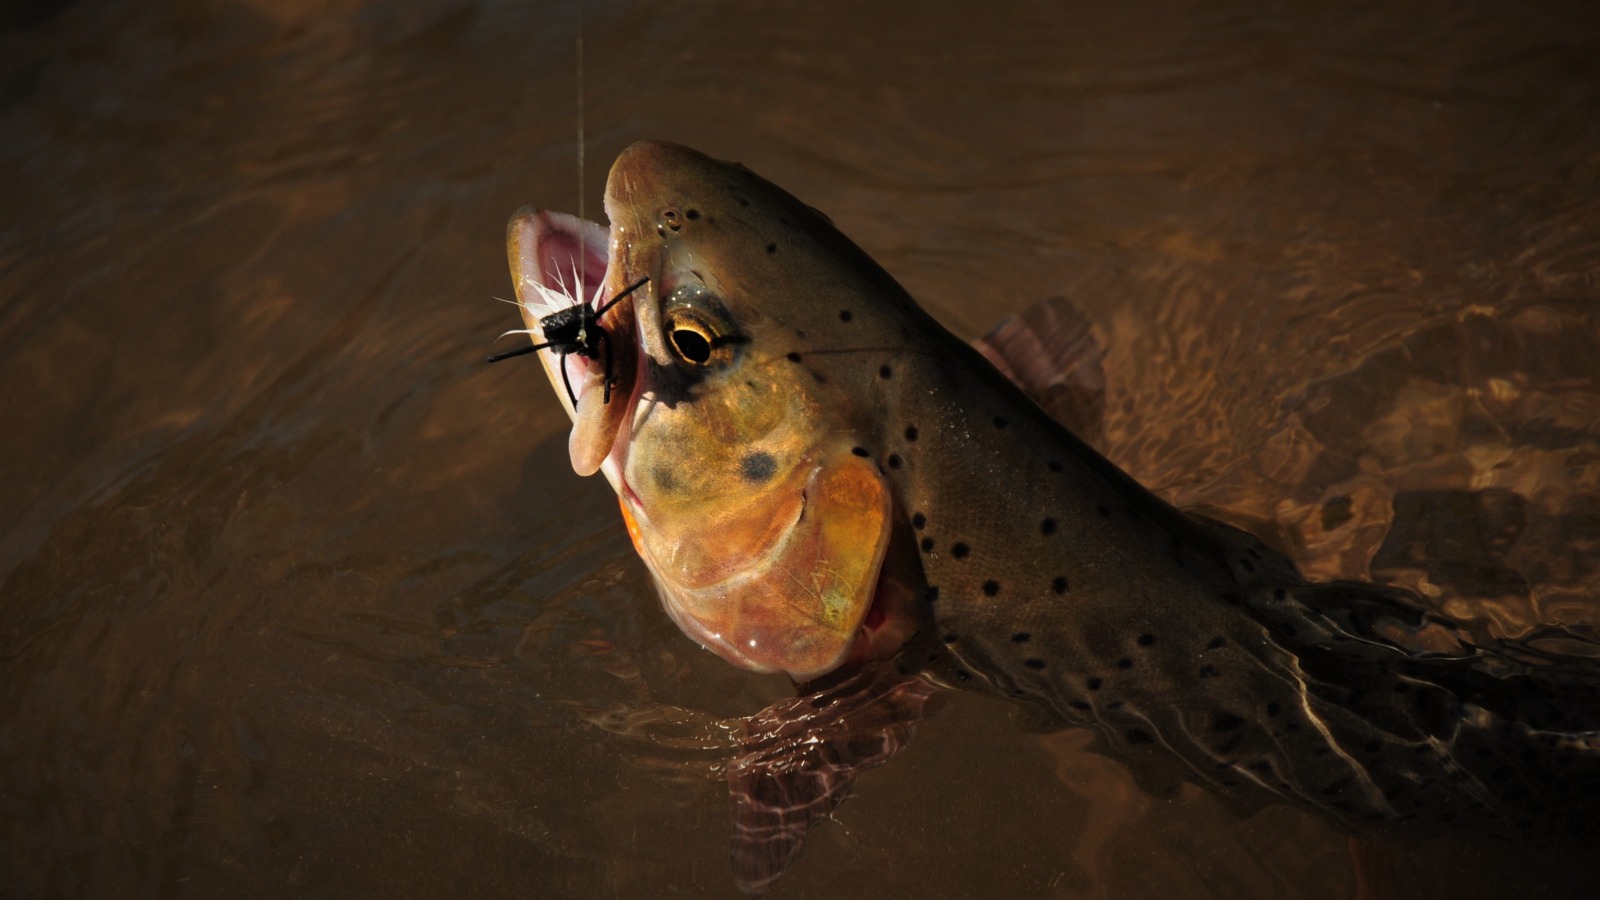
point(1043, 565)
point(1040, 570)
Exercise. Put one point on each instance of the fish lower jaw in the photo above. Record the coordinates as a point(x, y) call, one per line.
point(592, 435)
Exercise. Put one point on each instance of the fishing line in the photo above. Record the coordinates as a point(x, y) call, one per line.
point(583, 258)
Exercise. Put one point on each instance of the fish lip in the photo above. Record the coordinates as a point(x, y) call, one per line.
point(546, 248)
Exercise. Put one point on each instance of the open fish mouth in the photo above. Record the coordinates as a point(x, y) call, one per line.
point(584, 324)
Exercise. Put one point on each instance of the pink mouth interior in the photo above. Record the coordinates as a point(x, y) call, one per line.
point(567, 257)
point(570, 255)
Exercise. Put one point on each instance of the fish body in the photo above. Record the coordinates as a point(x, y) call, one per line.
point(819, 475)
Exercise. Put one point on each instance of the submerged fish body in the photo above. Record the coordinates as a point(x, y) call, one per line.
point(815, 471)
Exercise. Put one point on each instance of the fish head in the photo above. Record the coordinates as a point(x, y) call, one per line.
point(731, 434)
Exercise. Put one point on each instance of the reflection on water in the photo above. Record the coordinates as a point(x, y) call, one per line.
point(298, 595)
point(1461, 461)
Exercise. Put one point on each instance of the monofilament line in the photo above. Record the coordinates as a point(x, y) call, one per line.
point(583, 275)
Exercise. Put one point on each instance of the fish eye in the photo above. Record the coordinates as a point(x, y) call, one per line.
point(692, 338)
point(698, 329)
point(692, 345)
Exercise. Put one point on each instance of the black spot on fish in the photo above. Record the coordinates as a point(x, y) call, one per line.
point(911, 433)
point(1247, 565)
point(918, 520)
point(932, 593)
point(819, 377)
point(1209, 671)
point(1273, 708)
point(846, 315)
point(1146, 640)
point(664, 478)
point(758, 467)
point(1000, 422)
point(951, 638)
point(1124, 663)
point(1033, 662)
point(1093, 684)
point(792, 356)
point(991, 588)
point(885, 372)
point(1020, 637)
point(1280, 595)
point(894, 460)
point(963, 674)
point(1104, 511)
point(1048, 526)
point(772, 249)
point(959, 550)
point(927, 545)
point(743, 202)
point(1080, 705)
point(860, 451)
point(1216, 642)
point(1055, 465)
point(1139, 736)
point(1115, 704)
point(1058, 584)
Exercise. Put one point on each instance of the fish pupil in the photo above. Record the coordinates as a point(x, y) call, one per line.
point(691, 345)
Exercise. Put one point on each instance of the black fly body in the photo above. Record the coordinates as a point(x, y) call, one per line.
point(577, 329)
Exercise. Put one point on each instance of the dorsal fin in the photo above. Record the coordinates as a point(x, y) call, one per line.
point(1050, 350)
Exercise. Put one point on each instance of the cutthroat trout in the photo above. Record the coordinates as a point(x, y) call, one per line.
point(818, 476)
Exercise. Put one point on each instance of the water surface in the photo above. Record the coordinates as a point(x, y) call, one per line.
point(299, 597)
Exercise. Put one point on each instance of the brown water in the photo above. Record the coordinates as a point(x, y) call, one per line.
point(299, 597)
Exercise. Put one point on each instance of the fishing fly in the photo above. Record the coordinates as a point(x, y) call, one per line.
point(577, 329)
